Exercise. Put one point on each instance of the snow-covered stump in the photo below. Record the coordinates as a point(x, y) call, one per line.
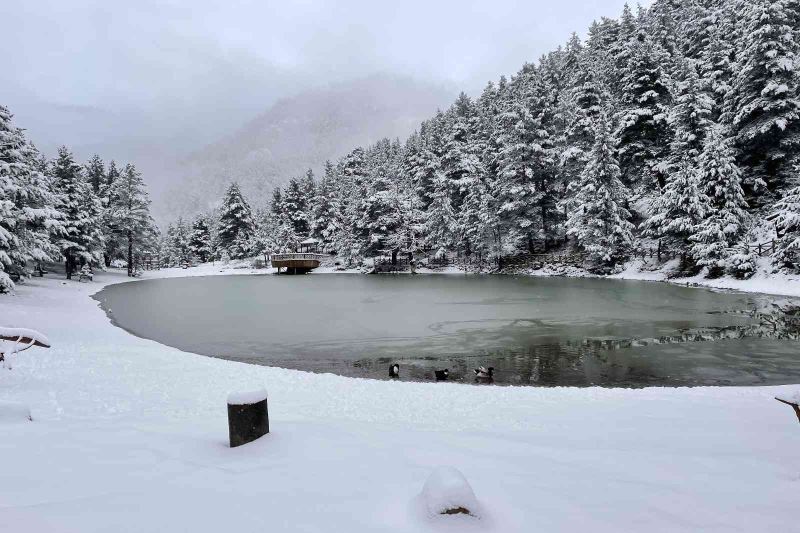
point(248, 417)
point(447, 492)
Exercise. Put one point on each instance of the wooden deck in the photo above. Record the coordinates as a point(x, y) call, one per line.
point(297, 263)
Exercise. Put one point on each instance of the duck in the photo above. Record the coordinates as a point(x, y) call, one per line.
point(442, 375)
point(484, 373)
point(394, 370)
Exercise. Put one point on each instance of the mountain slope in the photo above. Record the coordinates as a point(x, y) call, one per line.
point(302, 132)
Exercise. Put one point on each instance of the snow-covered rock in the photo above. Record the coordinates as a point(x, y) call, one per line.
point(447, 491)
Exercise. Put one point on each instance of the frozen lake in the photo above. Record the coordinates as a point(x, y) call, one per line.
point(534, 331)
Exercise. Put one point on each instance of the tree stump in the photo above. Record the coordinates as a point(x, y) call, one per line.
point(248, 417)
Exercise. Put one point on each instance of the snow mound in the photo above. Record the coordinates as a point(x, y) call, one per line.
point(447, 491)
point(247, 398)
point(13, 413)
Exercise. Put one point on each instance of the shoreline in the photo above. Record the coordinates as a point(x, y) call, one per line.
point(145, 425)
point(763, 282)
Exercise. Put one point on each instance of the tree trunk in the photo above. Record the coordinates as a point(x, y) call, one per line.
point(544, 224)
point(69, 264)
point(130, 254)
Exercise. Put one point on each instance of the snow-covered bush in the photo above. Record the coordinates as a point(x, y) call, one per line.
point(741, 263)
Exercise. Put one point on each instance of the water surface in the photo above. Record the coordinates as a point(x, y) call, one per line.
point(534, 331)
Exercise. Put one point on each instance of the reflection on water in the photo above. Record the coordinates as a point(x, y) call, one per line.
point(543, 332)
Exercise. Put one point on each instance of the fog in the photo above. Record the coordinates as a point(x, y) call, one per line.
point(154, 80)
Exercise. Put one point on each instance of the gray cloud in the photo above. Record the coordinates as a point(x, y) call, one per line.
point(175, 74)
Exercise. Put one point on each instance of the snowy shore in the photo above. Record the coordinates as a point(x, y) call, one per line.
point(130, 435)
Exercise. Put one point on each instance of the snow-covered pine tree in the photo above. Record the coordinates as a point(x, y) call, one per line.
point(235, 223)
point(12, 167)
point(715, 50)
point(265, 236)
point(129, 216)
point(324, 206)
point(178, 235)
point(200, 238)
point(295, 206)
point(96, 174)
point(381, 210)
point(599, 220)
point(40, 220)
point(619, 36)
point(82, 241)
point(461, 166)
point(726, 221)
point(690, 115)
point(440, 221)
point(764, 101)
point(678, 209)
point(350, 238)
point(114, 245)
point(525, 163)
point(642, 134)
point(786, 216)
point(309, 187)
point(583, 105)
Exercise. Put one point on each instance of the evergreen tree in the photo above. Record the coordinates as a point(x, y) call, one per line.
point(265, 238)
point(200, 241)
point(525, 163)
point(679, 209)
point(12, 167)
point(380, 206)
point(39, 219)
point(764, 102)
point(295, 206)
point(690, 116)
point(643, 135)
point(235, 223)
point(324, 208)
point(441, 223)
point(81, 242)
point(786, 216)
point(129, 215)
point(599, 219)
point(96, 174)
point(726, 220)
point(179, 249)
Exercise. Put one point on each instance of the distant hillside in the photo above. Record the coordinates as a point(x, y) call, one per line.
point(299, 133)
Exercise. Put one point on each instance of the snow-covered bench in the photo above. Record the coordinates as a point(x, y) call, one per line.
point(20, 339)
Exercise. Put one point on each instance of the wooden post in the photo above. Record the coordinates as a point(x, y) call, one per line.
point(248, 417)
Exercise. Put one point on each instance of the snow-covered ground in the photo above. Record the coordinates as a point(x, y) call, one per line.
point(130, 435)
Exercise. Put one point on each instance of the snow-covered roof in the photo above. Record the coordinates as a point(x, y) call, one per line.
point(310, 241)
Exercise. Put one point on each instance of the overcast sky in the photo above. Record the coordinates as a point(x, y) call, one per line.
point(190, 71)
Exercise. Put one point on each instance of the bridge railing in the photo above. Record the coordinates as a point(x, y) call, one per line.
point(298, 257)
